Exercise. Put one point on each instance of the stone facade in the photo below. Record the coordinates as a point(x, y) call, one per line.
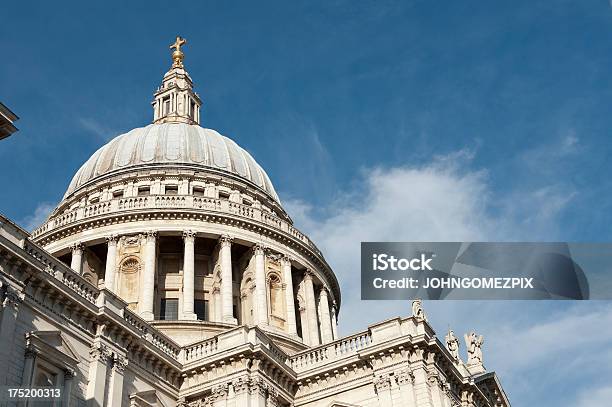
point(170, 275)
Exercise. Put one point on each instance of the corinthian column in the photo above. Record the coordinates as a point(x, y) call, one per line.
point(225, 258)
point(148, 281)
point(77, 258)
point(311, 309)
point(291, 324)
point(326, 331)
point(111, 260)
point(261, 314)
point(188, 275)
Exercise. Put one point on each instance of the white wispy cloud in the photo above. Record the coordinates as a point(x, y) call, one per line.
point(442, 201)
point(98, 129)
point(447, 200)
point(35, 219)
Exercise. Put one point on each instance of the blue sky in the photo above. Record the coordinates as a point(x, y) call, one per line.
point(411, 120)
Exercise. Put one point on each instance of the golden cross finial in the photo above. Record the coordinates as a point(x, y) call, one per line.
point(177, 55)
point(178, 43)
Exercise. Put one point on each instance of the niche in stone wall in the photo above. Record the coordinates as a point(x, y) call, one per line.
point(129, 273)
point(247, 289)
point(276, 300)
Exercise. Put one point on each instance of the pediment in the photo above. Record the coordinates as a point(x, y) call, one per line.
point(148, 398)
point(52, 345)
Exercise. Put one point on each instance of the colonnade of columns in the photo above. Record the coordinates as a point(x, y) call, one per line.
point(317, 316)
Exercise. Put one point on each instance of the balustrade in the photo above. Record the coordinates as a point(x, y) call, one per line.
point(173, 201)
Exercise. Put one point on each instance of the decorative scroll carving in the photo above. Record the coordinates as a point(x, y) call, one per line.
point(382, 383)
point(189, 235)
point(225, 240)
point(151, 235)
point(101, 352)
point(258, 249)
point(77, 247)
point(119, 364)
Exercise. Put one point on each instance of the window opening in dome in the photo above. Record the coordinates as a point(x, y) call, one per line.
point(118, 194)
point(169, 309)
point(143, 191)
point(198, 191)
point(171, 189)
point(200, 308)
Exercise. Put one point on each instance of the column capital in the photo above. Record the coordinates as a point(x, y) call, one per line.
point(189, 235)
point(12, 298)
point(77, 247)
point(101, 353)
point(308, 274)
point(69, 374)
point(150, 234)
point(226, 240)
point(112, 239)
point(30, 352)
point(324, 291)
point(285, 258)
point(259, 249)
point(119, 364)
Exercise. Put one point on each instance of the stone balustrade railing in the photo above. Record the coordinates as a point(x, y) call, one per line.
point(173, 202)
point(331, 351)
point(153, 336)
point(201, 349)
point(55, 269)
point(232, 339)
point(342, 348)
point(62, 273)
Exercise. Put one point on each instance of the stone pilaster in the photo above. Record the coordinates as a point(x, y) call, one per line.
point(382, 386)
point(326, 329)
point(148, 282)
point(110, 271)
point(311, 309)
point(100, 358)
point(289, 297)
point(261, 314)
point(189, 276)
point(405, 381)
point(69, 375)
point(227, 295)
point(28, 366)
point(218, 308)
point(258, 392)
point(421, 386)
point(11, 300)
point(304, 322)
point(115, 395)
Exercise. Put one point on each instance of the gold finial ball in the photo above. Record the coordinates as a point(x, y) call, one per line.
point(178, 55)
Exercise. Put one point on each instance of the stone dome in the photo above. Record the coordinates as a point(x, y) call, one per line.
point(172, 144)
